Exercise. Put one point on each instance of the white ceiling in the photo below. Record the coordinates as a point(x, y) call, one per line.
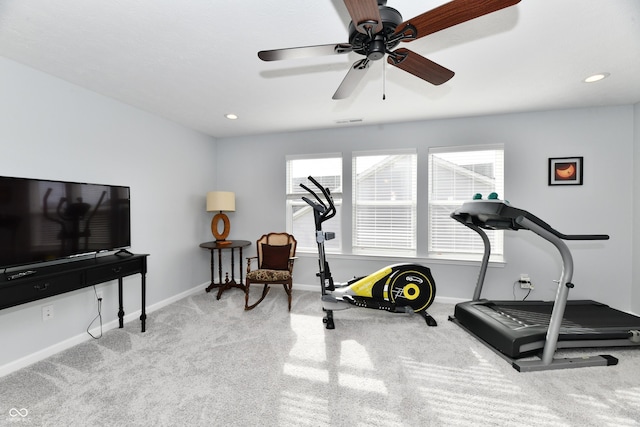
point(192, 61)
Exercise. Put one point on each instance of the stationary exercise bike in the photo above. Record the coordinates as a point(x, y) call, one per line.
point(398, 288)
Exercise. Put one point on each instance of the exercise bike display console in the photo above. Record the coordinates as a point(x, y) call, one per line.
point(398, 288)
point(516, 329)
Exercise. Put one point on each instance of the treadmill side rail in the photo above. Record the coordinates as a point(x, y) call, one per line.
point(566, 363)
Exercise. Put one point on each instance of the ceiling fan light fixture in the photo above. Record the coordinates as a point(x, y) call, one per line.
point(596, 77)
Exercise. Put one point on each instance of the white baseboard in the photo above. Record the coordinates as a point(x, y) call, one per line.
point(177, 297)
point(39, 355)
point(305, 287)
point(449, 300)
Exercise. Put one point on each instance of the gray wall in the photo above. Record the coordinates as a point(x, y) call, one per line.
point(53, 130)
point(254, 168)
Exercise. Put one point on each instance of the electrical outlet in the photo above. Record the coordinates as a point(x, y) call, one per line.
point(47, 312)
point(525, 281)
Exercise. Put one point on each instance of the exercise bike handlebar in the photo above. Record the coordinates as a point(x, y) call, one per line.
point(324, 212)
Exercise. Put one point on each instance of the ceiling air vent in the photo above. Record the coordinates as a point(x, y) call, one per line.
point(347, 121)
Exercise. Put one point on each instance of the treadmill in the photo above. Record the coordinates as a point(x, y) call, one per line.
point(519, 329)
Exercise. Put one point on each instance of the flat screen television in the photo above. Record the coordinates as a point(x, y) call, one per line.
point(43, 220)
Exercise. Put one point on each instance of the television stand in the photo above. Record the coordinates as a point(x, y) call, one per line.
point(42, 282)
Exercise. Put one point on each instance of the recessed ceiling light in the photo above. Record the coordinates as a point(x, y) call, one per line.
point(231, 116)
point(596, 77)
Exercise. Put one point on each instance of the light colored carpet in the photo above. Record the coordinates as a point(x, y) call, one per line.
point(207, 362)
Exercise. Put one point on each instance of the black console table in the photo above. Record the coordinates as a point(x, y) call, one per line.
point(35, 283)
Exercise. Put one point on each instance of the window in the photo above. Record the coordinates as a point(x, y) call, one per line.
point(327, 170)
point(455, 176)
point(384, 202)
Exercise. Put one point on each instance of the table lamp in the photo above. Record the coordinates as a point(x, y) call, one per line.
point(219, 201)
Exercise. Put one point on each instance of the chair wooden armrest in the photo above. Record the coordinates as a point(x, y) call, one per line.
point(249, 259)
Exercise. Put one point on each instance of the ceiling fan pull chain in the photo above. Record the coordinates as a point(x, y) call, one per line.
point(384, 81)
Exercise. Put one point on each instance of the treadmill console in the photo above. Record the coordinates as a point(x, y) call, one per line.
point(494, 214)
point(489, 214)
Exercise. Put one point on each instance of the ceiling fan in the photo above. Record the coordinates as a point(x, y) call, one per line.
point(375, 29)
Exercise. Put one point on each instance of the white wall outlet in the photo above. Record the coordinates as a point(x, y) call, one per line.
point(525, 281)
point(47, 312)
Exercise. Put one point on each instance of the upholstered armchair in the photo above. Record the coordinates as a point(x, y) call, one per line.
point(273, 265)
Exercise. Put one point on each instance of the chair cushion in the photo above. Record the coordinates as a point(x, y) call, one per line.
point(263, 275)
point(275, 257)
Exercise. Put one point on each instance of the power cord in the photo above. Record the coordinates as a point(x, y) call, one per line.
point(99, 316)
point(517, 282)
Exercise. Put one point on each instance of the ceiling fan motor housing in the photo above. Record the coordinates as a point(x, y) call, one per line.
point(375, 46)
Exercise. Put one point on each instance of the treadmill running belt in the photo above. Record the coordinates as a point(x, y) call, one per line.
point(577, 314)
point(518, 328)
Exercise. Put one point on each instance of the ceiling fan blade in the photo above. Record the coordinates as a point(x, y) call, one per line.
point(450, 14)
point(419, 66)
point(304, 52)
point(365, 15)
point(351, 80)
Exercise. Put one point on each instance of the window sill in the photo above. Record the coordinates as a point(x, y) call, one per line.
point(497, 261)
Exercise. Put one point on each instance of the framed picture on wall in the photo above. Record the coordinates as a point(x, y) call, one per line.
point(565, 171)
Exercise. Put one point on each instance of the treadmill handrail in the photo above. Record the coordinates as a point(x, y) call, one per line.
point(499, 215)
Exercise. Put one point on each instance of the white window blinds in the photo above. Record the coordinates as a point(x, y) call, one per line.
point(327, 170)
point(384, 202)
point(455, 176)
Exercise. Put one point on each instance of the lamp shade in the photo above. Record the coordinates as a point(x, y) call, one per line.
point(218, 201)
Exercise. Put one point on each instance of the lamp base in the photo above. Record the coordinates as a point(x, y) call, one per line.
point(220, 237)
